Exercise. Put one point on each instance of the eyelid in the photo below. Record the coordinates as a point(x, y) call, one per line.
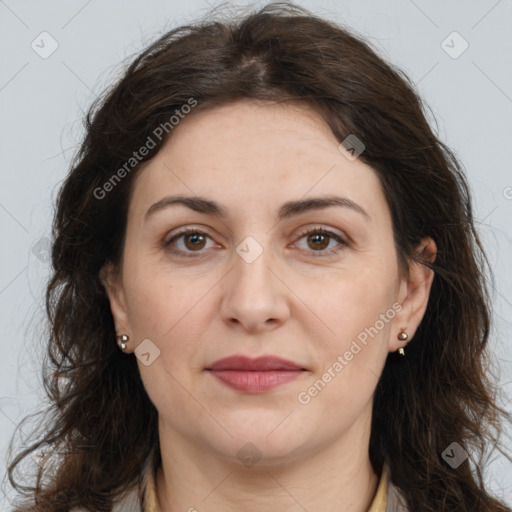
point(322, 229)
point(185, 230)
point(342, 240)
point(181, 232)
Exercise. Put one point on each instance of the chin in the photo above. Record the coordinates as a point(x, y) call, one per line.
point(270, 442)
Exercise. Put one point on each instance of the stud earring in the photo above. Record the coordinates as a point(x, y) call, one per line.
point(121, 341)
point(402, 336)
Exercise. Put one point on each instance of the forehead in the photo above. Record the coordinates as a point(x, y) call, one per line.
point(254, 154)
point(253, 132)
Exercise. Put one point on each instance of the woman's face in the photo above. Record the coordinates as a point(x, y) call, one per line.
point(251, 282)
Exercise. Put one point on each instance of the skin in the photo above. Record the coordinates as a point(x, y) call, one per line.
point(251, 157)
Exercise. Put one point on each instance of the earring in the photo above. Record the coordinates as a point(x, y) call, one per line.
point(402, 336)
point(121, 341)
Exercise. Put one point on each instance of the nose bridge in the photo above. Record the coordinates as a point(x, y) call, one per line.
point(251, 272)
point(253, 294)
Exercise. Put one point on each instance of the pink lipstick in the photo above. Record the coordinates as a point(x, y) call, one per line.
point(255, 375)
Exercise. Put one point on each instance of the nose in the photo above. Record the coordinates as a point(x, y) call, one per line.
point(255, 298)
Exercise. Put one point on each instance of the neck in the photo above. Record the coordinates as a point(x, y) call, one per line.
point(338, 476)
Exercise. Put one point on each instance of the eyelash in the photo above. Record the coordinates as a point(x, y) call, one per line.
point(317, 230)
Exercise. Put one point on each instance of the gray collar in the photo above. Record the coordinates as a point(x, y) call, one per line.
point(395, 500)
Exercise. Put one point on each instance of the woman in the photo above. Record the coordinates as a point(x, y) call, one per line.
point(268, 291)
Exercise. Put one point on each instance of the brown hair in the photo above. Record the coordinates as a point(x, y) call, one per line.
point(101, 419)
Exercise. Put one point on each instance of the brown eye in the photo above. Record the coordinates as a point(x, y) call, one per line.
point(318, 241)
point(189, 242)
point(194, 241)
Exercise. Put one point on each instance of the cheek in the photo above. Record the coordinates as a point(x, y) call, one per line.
point(351, 302)
point(171, 313)
point(156, 297)
point(349, 359)
point(172, 317)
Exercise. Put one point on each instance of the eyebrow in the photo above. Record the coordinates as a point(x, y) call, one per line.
point(287, 210)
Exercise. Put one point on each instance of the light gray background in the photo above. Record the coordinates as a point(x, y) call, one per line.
point(42, 101)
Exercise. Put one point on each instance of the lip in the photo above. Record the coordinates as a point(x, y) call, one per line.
point(255, 375)
point(259, 364)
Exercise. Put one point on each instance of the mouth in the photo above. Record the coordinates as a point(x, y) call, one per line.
point(255, 375)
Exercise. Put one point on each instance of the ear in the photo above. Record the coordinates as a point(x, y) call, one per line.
point(111, 280)
point(414, 293)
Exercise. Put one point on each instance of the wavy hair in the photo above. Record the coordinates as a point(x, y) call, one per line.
point(100, 418)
